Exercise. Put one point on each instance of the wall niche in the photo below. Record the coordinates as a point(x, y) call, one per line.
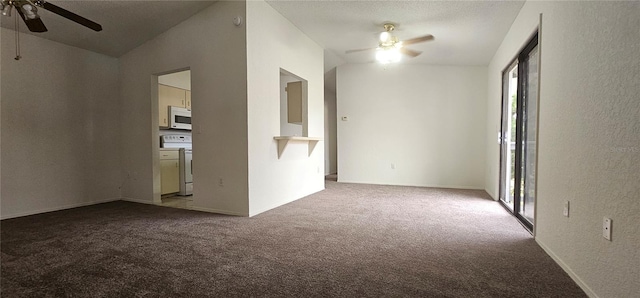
point(293, 104)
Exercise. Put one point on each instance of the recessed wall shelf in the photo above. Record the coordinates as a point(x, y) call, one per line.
point(283, 141)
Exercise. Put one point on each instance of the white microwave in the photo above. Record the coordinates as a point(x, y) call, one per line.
point(179, 118)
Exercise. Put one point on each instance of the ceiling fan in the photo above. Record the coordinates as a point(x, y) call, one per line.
point(28, 11)
point(390, 47)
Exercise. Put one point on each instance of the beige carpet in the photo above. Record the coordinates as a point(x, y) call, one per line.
point(347, 241)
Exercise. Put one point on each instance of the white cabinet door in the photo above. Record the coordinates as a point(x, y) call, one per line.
point(169, 176)
point(169, 97)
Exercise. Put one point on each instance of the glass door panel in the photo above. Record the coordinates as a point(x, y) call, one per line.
point(508, 136)
point(518, 134)
point(530, 115)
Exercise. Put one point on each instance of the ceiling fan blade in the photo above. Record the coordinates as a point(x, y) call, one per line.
point(71, 16)
point(418, 39)
point(358, 50)
point(411, 53)
point(34, 25)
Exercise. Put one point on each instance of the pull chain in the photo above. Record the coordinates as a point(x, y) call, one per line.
point(17, 38)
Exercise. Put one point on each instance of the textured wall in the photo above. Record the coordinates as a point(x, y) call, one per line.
point(60, 127)
point(213, 48)
point(330, 131)
point(426, 120)
point(274, 43)
point(589, 137)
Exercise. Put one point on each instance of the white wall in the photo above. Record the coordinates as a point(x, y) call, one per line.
point(589, 137)
point(330, 132)
point(213, 48)
point(274, 43)
point(60, 127)
point(286, 128)
point(331, 61)
point(426, 120)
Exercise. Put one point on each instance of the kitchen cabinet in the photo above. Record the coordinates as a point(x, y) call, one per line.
point(188, 100)
point(294, 102)
point(169, 171)
point(171, 97)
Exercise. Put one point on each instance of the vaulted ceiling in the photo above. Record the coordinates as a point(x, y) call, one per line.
point(466, 32)
point(126, 24)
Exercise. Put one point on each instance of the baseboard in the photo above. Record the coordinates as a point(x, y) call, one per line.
point(493, 196)
point(414, 185)
point(282, 203)
point(137, 201)
point(279, 204)
point(218, 211)
point(69, 206)
point(203, 209)
point(568, 270)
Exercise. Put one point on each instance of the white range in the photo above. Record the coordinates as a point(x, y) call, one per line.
point(183, 143)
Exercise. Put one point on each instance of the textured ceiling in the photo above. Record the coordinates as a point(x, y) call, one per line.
point(466, 32)
point(126, 24)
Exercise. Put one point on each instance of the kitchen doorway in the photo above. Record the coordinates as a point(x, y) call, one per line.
point(174, 143)
point(518, 134)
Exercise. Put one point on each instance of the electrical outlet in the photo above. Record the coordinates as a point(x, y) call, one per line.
point(220, 182)
point(565, 212)
point(345, 118)
point(606, 228)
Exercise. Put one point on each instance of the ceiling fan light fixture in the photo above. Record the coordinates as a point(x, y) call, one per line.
point(385, 37)
point(30, 12)
point(390, 48)
point(388, 55)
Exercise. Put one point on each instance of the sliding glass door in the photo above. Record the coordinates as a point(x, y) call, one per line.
point(518, 136)
point(508, 135)
point(529, 136)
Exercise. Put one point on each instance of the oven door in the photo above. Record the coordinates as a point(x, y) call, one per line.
point(180, 118)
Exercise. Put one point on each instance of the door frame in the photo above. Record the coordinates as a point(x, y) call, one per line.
point(523, 53)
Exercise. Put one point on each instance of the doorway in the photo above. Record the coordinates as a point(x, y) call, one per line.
point(518, 134)
point(173, 144)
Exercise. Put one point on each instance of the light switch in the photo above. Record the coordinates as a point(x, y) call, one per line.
point(345, 118)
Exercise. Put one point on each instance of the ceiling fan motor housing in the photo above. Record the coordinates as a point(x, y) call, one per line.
point(390, 47)
point(388, 41)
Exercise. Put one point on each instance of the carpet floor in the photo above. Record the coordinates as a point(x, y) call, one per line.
point(349, 240)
